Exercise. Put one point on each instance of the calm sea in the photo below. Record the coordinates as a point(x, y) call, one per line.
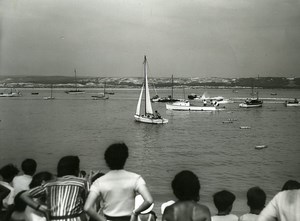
point(221, 154)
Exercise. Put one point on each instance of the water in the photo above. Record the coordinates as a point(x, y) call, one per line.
point(221, 154)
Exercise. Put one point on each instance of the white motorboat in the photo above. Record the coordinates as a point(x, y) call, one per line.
point(187, 106)
point(294, 103)
point(148, 117)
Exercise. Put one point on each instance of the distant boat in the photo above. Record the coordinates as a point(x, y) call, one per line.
point(273, 94)
point(187, 106)
point(101, 96)
point(12, 92)
point(108, 92)
point(168, 99)
point(148, 117)
point(51, 94)
point(34, 93)
point(259, 147)
point(294, 103)
point(252, 102)
point(76, 91)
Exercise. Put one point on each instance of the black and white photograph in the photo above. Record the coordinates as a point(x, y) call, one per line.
point(149, 110)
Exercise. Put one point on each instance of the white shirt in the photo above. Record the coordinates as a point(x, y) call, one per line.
point(117, 190)
point(248, 217)
point(9, 199)
point(285, 206)
point(21, 183)
point(229, 217)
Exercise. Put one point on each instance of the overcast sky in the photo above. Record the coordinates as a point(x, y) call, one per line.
point(186, 38)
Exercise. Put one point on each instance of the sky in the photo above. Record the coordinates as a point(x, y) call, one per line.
point(184, 38)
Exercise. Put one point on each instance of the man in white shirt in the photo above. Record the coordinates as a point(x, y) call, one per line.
point(22, 182)
point(285, 206)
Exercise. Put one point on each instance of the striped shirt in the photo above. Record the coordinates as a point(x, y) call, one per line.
point(65, 197)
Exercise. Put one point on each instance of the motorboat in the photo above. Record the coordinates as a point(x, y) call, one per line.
point(294, 103)
point(187, 106)
point(249, 103)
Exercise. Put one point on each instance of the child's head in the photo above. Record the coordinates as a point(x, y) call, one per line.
point(256, 198)
point(186, 186)
point(291, 185)
point(68, 165)
point(39, 178)
point(29, 167)
point(223, 201)
point(8, 172)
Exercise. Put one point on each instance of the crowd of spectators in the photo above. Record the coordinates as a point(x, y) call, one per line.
point(121, 195)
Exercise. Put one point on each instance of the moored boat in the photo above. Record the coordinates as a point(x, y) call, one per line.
point(187, 106)
point(248, 103)
point(11, 93)
point(76, 90)
point(294, 103)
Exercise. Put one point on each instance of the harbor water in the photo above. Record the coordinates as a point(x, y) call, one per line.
point(218, 151)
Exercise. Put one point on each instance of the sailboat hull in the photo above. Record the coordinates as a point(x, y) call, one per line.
point(149, 120)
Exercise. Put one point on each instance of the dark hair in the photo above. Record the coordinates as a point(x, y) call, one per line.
point(256, 198)
point(68, 165)
point(223, 200)
point(29, 166)
point(8, 172)
point(291, 185)
point(116, 155)
point(38, 179)
point(186, 186)
point(19, 204)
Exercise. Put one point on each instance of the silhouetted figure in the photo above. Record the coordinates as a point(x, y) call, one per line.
point(186, 188)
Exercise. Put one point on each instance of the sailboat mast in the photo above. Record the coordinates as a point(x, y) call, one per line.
point(145, 75)
point(51, 91)
point(75, 79)
point(104, 87)
point(172, 87)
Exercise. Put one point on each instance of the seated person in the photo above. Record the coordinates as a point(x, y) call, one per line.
point(223, 201)
point(256, 199)
point(186, 188)
point(157, 115)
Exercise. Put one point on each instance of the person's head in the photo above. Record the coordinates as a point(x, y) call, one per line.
point(291, 185)
point(19, 204)
point(68, 165)
point(29, 167)
point(223, 201)
point(116, 156)
point(8, 172)
point(186, 186)
point(256, 198)
point(39, 178)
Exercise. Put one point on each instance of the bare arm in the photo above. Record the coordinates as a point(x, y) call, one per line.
point(90, 209)
point(30, 202)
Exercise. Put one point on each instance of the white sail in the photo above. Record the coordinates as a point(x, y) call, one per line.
point(147, 97)
point(138, 107)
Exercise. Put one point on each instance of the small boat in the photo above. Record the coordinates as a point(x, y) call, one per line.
point(11, 93)
point(51, 93)
point(168, 99)
point(248, 103)
point(187, 106)
point(34, 93)
point(294, 103)
point(259, 147)
point(245, 127)
point(148, 117)
point(101, 96)
point(76, 91)
point(273, 94)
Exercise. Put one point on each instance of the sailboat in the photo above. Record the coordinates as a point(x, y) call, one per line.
point(76, 91)
point(170, 97)
point(51, 96)
point(148, 116)
point(252, 102)
point(101, 96)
